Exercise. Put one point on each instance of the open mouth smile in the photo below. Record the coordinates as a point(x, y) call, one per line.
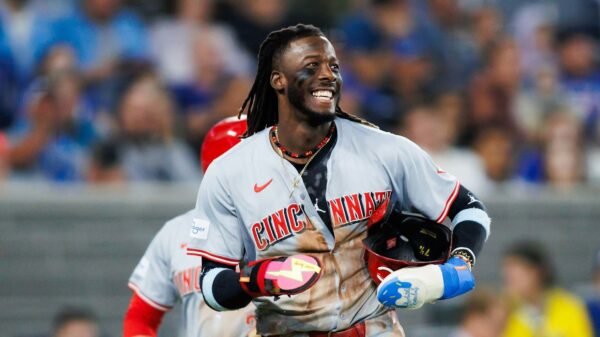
point(323, 95)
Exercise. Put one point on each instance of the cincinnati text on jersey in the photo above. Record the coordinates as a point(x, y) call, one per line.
point(187, 281)
point(292, 220)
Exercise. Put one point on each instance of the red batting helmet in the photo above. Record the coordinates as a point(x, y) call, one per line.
point(396, 240)
point(220, 138)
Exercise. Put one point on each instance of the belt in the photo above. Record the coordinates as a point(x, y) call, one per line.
point(357, 330)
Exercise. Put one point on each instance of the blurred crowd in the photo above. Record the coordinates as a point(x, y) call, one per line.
point(501, 93)
point(531, 303)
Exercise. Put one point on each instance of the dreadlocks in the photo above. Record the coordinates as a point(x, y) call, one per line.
point(261, 103)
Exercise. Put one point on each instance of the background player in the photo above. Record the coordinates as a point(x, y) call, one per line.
point(306, 181)
point(166, 274)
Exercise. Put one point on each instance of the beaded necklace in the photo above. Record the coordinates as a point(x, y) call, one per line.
point(307, 154)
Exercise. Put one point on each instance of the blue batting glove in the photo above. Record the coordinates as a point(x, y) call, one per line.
point(412, 287)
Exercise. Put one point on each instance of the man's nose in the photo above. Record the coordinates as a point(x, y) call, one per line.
point(326, 74)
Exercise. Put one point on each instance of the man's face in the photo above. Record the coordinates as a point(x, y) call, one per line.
point(311, 78)
point(78, 328)
point(521, 280)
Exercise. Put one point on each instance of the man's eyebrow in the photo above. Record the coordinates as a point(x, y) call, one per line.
point(311, 56)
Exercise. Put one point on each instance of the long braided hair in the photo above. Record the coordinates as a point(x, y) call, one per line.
point(261, 103)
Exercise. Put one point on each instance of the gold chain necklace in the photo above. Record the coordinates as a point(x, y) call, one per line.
point(296, 180)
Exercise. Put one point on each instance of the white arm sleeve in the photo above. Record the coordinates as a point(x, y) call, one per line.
point(215, 233)
point(420, 183)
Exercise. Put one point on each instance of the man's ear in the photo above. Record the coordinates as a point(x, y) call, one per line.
point(278, 81)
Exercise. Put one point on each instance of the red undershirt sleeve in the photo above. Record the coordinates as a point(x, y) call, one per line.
point(141, 319)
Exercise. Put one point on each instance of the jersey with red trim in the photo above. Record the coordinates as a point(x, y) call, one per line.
point(252, 204)
point(166, 275)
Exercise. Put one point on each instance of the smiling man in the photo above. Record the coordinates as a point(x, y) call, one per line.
point(292, 204)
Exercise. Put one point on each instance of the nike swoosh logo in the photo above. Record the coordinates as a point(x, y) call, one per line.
point(259, 189)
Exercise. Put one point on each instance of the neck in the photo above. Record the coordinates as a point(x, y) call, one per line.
point(300, 136)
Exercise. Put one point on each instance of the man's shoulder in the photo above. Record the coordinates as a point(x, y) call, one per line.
point(564, 299)
point(373, 136)
point(347, 125)
point(241, 150)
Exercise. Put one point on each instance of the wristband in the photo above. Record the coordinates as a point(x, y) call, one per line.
point(466, 254)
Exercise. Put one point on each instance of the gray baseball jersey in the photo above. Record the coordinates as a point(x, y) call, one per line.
point(252, 204)
point(166, 274)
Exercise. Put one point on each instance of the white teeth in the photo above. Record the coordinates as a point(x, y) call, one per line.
point(322, 93)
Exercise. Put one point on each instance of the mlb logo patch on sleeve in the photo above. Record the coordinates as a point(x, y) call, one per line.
point(199, 229)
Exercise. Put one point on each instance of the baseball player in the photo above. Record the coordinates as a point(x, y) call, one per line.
point(293, 200)
point(166, 274)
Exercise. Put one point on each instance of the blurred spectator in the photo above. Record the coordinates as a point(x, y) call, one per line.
point(533, 28)
point(484, 315)
point(253, 20)
point(369, 37)
point(593, 301)
point(451, 106)
point(563, 155)
point(151, 151)
point(378, 26)
point(412, 72)
point(539, 308)
point(26, 33)
point(9, 90)
point(536, 102)
point(559, 162)
point(106, 164)
point(457, 40)
point(495, 147)
point(214, 92)
point(4, 164)
point(60, 58)
point(426, 126)
point(110, 44)
point(485, 28)
point(53, 137)
point(581, 78)
point(75, 322)
point(173, 40)
point(492, 92)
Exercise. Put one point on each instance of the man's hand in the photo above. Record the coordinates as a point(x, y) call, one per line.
point(410, 288)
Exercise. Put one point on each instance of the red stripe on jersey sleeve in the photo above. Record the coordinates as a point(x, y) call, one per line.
point(148, 301)
point(212, 257)
point(449, 203)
